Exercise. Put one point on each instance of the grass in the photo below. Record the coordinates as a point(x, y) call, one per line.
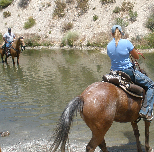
point(30, 23)
point(33, 40)
point(144, 42)
point(69, 39)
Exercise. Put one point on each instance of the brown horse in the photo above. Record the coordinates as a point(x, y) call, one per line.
point(99, 105)
point(15, 50)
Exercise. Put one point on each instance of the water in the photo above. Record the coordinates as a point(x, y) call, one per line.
point(34, 94)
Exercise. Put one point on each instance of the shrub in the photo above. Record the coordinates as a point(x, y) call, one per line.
point(32, 40)
point(150, 22)
point(5, 3)
point(6, 14)
point(83, 6)
point(69, 39)
point(121, 22)
point(1, 38)
point(95, 17)
point(126, 6)
point(24, 3)
point(145, 42)
point(59, 9)
point(67, 26)
point(150, 40)
point(117, 9)
point(133, 16)
point(107, 1)
point(30, 23)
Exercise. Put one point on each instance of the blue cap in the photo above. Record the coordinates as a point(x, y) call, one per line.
point(116, 26)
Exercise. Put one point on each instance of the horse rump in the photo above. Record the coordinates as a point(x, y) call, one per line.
point(61, 132)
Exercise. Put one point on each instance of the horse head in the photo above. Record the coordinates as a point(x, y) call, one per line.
point(22, 43)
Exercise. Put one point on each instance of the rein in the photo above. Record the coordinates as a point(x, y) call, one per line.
point(134, 61)
point(14, 48)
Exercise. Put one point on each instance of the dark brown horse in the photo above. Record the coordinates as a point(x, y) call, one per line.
point(99, 105)
point(15, 50)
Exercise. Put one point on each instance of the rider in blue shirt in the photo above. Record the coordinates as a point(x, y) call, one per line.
point(119, 51)
point(8, 38)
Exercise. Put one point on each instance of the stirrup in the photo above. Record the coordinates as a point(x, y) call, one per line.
point(137, 120)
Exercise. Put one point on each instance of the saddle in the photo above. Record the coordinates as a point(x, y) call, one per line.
point(123, 81)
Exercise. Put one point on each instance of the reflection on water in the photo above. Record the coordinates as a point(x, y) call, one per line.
point(34, 94)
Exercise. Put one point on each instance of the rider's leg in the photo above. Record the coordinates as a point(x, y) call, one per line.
point(147, 107)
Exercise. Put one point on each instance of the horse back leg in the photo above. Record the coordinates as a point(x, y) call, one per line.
point(137, 134)
point(103, 147)
point(98, 139)
point(99, 129)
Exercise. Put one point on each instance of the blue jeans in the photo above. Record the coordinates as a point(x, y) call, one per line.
point(144, 81)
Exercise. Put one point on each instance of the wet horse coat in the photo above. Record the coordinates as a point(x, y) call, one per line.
point(99, 105)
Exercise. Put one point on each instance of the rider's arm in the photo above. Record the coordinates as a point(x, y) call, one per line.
point(4, 39)
point(134, 54)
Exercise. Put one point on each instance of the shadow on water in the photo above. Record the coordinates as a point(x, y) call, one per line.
point(130, 146)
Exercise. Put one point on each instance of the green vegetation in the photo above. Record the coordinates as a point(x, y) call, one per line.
point(146, 42)
point(133, 16)
point(127, 14)
point(150, 22)
point(30, 23)
point(69, 39)
point(95, 17)
point(117, 9)
point(5, 3)
point(121, 22)
point(1, 38)
point(59, 9)
point(35, 40)
point(6, 14)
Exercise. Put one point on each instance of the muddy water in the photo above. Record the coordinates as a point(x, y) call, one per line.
point(34, 94)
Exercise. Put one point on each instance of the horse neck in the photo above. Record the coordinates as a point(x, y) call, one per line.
point(16, 44)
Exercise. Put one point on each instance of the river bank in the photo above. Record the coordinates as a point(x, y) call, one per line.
point(102, 50)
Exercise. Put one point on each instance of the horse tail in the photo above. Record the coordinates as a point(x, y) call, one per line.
point(65, 121)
